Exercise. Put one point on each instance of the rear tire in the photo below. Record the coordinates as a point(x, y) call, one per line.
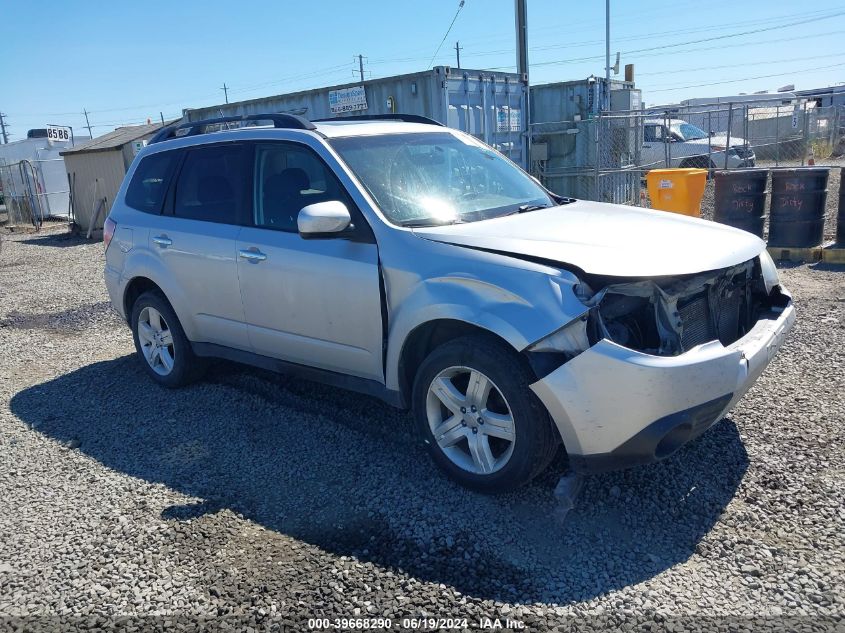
point(161, 344)
point(483, 425)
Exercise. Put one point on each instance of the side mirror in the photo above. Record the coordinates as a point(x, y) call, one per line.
point(323, 219)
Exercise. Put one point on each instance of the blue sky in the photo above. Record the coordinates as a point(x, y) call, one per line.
point(127, 61)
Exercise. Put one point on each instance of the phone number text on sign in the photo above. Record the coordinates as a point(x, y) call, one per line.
point(347, 99)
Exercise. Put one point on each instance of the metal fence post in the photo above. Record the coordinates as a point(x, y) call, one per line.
point(730, 124)
point(745, 131)
point(667, 141)
point(709, 138)
point(777, 136)
point(598, 145)
point(806, 133)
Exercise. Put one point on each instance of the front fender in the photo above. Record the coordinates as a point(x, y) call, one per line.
point(487, 290)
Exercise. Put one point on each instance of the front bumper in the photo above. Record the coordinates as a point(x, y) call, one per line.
point(616, 407)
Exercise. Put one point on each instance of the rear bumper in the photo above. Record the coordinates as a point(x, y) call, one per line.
point(616, 408)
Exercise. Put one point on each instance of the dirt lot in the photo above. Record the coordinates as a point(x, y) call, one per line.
point(265, 500)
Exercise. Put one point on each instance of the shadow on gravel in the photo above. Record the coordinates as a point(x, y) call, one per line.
point(343, 472)
point(73, 320)
point(57, 240)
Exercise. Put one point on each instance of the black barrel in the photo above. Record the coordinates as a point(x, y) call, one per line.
point(741, 199)
point(797, 214)
point(840, 217)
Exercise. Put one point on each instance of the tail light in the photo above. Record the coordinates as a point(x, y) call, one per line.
point(109, 227)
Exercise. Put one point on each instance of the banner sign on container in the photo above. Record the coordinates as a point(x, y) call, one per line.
point(508, 120)
point(347, 100)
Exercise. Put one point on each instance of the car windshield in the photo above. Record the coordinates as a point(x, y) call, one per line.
point(431, 178)
point(689, 132)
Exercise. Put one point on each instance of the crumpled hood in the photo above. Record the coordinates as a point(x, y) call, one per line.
point(608, 239)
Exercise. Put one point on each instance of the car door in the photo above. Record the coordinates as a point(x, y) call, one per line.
point(313, 301)
point(197, 237)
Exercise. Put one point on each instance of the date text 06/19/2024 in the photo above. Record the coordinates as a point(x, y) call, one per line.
point(413, 624)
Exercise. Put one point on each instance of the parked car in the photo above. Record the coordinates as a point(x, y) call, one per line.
point(413, 262)
point(690, 146)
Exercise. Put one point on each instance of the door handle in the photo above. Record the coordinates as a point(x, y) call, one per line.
point(252, 256)
point(162, 240)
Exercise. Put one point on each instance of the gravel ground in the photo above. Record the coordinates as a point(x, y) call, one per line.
point(262, 500)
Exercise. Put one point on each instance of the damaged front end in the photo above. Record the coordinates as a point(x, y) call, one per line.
point(653, 363)
point(671, 315)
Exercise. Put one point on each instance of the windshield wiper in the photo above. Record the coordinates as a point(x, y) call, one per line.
point(532, 207)
point(417, 224)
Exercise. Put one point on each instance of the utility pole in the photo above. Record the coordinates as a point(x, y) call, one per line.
point(521, 14)
point(3, 128)
point(606, 55)
point(458, 49)
point(87, 124)
point(361, 66)
point(225, 90)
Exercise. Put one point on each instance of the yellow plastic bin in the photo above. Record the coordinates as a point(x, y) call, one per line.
point(677, 190)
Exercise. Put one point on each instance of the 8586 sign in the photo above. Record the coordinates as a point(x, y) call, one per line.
point(58, 133)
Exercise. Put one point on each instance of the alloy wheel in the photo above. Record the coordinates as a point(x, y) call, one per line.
point(470, 420)
point(156, 341)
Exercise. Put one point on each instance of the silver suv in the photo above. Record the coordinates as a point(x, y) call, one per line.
point(413, 262)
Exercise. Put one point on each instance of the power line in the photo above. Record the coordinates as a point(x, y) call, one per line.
point(698, 41)
point(822, 13)
point(688, 50)
point(743, 65)
point(733, 81)
point(449, 30)
point(816, 15)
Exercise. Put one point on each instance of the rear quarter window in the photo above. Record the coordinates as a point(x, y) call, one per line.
point(149, 183)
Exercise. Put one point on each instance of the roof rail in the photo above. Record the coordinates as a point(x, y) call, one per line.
point(407, 118)
point(280, 120)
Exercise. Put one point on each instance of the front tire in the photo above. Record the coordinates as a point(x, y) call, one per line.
point(161, 344)
point(483, 425)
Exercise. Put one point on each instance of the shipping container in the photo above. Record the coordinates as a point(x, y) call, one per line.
point(575, 100)
point(46, 169)
point(488, 105)
point(573, 151)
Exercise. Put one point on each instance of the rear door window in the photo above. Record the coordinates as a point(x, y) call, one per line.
point(149, 183)
point(213, 184)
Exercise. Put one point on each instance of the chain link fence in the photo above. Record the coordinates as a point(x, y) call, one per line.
point(28, 200)
point(605, 158)
point(20, 194)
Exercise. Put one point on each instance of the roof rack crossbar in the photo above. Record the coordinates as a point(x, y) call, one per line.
point(280, 120)
point(407, 118)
